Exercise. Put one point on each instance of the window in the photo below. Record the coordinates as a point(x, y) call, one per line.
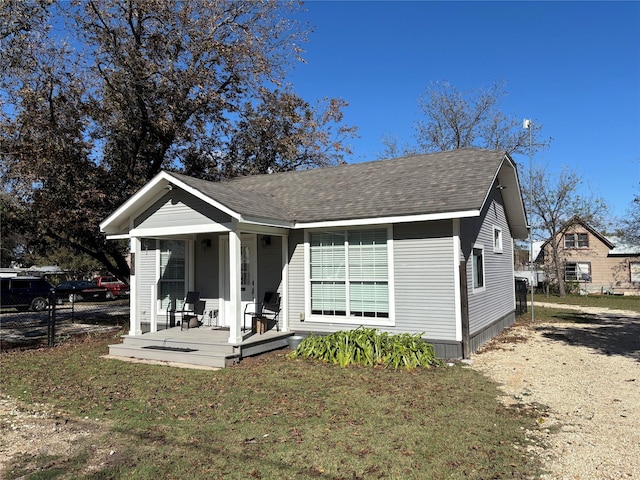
point(497, 240)
point(576, 240)
point(577, 272)
point(477, 267)
point(171, 285)
point(349, 273)
point(634, 270)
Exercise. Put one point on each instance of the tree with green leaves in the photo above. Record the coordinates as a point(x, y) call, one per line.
point(98, 96)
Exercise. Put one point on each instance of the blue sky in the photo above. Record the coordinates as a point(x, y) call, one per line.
point(573, 67)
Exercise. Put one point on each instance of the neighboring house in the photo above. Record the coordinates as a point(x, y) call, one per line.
point(595, 263)
point(419, 244)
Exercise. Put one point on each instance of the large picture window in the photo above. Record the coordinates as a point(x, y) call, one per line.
point(171, 286)
point(349, 273)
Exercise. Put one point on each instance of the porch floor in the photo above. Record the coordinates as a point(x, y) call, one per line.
point(202, 346)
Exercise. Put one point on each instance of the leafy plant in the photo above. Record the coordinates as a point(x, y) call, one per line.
point(368, 347)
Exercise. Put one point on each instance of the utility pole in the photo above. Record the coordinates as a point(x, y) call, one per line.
point(528, 124)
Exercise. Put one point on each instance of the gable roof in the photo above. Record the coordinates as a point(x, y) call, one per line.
point(450, 184)
point(616, 244)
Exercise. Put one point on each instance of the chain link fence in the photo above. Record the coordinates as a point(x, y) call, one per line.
point(61, 321)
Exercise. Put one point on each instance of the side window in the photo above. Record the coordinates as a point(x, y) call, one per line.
point(20, 284)
point(497, 239)
point(477, 267)
point(634, 271)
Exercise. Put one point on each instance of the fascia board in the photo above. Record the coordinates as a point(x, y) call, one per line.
point(125, 209)
point(151, 190)
point(389, 220)
point(205, 198)
point(179, 230)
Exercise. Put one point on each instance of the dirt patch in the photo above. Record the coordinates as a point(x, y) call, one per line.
point(35, 433)
point(587, 374)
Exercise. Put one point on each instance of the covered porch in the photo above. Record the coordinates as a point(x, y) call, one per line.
point(181, 241)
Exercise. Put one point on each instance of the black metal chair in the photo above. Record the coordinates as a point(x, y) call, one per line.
point(268, 308)
point(192, 319)
point(187, 307)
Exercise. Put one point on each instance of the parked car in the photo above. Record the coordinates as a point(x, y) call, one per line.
point(24, 293)
point(79, 290)
point(115, 286)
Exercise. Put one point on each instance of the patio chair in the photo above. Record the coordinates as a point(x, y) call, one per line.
point(194, 318)
point(268, 308)
point(187, 307)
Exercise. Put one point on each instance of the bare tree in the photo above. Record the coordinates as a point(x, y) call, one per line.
point(98, 96)
point(455, 119)
point(557, 205)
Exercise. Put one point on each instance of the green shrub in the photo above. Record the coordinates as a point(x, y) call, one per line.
point(368, 347)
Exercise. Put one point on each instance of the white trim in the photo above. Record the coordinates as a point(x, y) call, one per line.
point(457, 293)
point(497, 248)
point(179, 230)
point(350, 320)
point(284, 304)
point(355, 222)
point(121, 236)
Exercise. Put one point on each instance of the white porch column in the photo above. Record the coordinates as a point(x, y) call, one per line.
point(135, 327)
point(284, 308)
point(235, 294)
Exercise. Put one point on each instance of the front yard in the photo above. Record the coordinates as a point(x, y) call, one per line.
point(269, 417)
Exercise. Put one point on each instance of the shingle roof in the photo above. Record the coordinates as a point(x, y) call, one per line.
point(435, 183)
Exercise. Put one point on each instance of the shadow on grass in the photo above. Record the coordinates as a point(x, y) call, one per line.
point(608, 334)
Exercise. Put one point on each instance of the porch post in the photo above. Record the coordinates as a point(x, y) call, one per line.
point(235, 294)
point(134, 318)
point(284, 310)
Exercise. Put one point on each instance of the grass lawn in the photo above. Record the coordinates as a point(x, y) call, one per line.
point(268, 418)
point(619, 302)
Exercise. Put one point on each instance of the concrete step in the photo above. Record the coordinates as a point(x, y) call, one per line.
point(184, 355)
point(221, 348)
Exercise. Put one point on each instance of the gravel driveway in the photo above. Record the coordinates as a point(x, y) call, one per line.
point(588, 375)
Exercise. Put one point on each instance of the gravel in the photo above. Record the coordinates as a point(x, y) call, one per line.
point(587, 374)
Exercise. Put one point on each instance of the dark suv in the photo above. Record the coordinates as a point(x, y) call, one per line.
point(24, 293)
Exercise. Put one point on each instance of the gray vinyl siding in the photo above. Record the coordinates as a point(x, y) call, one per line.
point(269, 265)
point(424, 275)
point(146, 271)
point(207, 270)
point(424, 282)
point(497, 300)
point(179, 209)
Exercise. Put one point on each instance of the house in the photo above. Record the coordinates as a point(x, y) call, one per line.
point(593, 262)
point(418, 244)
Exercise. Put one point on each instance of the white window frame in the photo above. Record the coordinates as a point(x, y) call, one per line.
point(497, 239)
point(350, 319)
point(483, 287)
point(579, 267)
point(634, 272)
point(187, 274)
